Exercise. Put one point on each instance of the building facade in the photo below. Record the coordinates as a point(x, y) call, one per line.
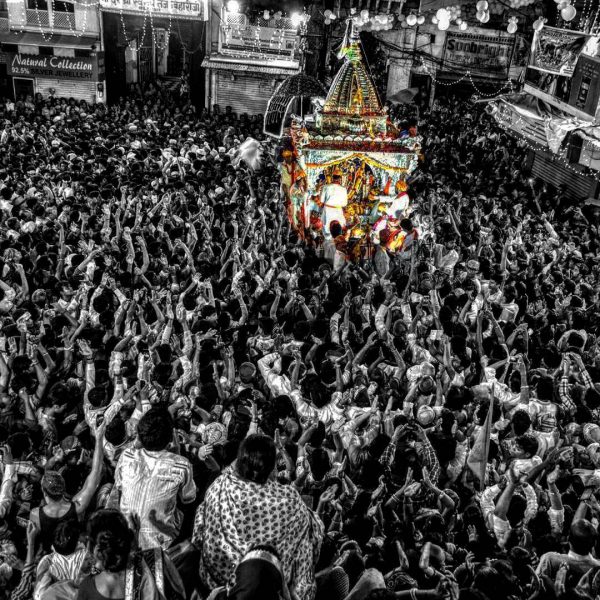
point(555, 114)
point(51, 48)
point(247, 58)
point(479, 61)
point(160, 39)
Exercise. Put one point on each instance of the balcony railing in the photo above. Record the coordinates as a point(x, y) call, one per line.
point(64, 20)
point(37, 17)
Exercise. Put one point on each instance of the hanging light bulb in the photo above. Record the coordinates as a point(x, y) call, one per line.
point(411, 20)
point(327, 14)
point(568, 13)
point(296, 19)
point(482, 6)
point(463, 26)
point(333, 16)
point(364, 14)
point(266, 15)
point(435, 20)
point(512, 27)
point(233, 6)
point(459, 21)
point(420, 19)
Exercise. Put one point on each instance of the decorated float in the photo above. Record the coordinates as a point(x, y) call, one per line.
point(344, 168)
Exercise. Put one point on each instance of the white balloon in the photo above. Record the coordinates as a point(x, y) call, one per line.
point(538, 24)
point(480, 14)
point(482, 5)
point(443, 25)
point(434, 20)
point(486, 18)
point(327, 21)
point(568, 13)
point(327, 14)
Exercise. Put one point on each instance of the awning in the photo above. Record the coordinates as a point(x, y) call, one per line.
point(533, 112)
point(26, 38)
point(278, 67)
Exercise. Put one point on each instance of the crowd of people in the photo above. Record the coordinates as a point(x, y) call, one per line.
point(196, 404)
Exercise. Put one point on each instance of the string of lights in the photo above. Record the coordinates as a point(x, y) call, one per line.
point(74, 31)
point(41, 27)
point(133, 39)
point(153, 31)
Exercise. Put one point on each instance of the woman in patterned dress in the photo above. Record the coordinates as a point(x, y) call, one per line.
point(246, 507)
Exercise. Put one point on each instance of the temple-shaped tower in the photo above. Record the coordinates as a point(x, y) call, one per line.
point(353, 104)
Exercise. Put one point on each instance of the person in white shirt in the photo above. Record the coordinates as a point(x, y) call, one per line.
point(334, 198)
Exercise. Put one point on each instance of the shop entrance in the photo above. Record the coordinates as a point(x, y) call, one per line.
point(23, 87)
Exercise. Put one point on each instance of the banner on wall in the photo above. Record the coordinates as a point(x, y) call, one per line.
point(480, 54)
point(557, 50)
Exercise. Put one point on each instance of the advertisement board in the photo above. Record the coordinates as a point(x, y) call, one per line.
point(480, 54)
point(55, 67)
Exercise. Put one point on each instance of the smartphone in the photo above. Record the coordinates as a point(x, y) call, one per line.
point(406, 312)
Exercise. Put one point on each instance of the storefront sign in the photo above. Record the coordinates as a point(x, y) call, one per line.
point(57, 67)
point(194, 9)
point(585, 86)
point(557, 50)
point(480, 54)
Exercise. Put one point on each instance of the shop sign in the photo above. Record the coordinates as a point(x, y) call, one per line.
point(194, 9)
point(479, 54)
point(54, 67)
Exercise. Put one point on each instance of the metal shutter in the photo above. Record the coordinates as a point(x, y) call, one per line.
point(245, 94)
point(66, 88)
point(578, 186)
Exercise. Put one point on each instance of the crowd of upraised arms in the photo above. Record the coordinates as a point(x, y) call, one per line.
point(195, 403)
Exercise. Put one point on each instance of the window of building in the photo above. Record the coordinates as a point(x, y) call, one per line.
point(82, 53)
point(39, 4)
point(64, 6)
point(46, 51)
point(10, 48)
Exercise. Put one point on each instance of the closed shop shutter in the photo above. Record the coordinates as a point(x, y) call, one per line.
point(578, 186)
point(68, 88)
point(244, 94)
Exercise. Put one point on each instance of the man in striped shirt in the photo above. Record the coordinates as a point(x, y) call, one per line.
point(150, 480)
